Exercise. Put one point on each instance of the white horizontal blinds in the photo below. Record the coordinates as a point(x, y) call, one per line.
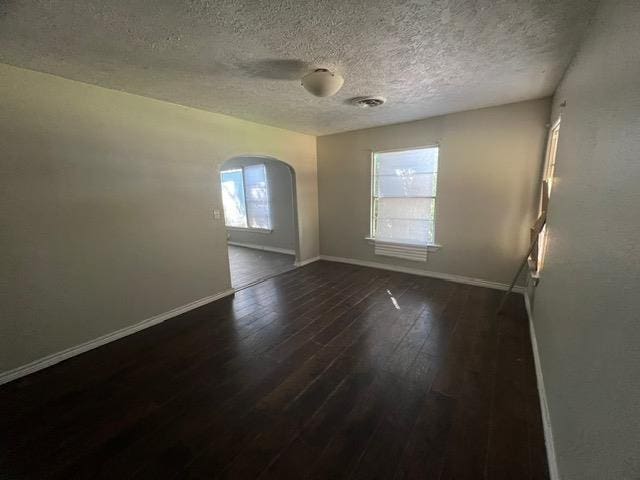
point(257, 197)
point(404, 191)
point(235, 214)
point(405, 220)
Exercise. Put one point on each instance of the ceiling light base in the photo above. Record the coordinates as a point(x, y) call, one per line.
point(322, 83)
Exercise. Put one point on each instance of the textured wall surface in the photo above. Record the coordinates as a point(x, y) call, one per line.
point(489, 160)
point(246, 58)
point(587, 305)
point(107, 208)
point(279, 179)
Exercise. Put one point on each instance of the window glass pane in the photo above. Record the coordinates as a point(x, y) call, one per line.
point(423, 160)
point(257, 195)
point(407, 185)
point(406, 208)
point(411, 231)
point(233, 198)
point(404, 190)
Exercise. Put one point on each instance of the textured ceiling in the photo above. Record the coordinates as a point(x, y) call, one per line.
point(245, 58)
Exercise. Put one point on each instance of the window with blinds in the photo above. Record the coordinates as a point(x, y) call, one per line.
point(235, 210)
point(245, 197)
point(536, 260)
point(403, 196)
point(257, 197)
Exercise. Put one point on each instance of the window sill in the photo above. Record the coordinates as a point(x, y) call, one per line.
point(430, 247)
point(265, 231)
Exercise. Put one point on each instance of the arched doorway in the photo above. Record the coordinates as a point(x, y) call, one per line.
point(259, 200)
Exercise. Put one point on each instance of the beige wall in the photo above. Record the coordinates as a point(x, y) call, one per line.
point(279, 180)
point(489, 160)
point(106, 207)
point(587, 305)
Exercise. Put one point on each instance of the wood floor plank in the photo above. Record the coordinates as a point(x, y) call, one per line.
point(326, 371)
point(383, 348)
point(232, 372)
point(469, 366)
point(232, 376)
point(514, 422)
point(340, 338)
point(417, 369)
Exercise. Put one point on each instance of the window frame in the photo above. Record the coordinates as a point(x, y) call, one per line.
point(537, 257)
point(372, 170)
point(244, 192)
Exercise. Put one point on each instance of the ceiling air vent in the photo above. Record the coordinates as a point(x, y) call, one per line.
point(368, 102)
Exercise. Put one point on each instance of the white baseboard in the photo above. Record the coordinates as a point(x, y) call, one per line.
point(425, 273)
point(58, 357)
point(544, 406)
point(263, 247)
point(302, 263)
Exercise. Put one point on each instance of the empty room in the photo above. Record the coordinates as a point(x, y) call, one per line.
point(356, 239)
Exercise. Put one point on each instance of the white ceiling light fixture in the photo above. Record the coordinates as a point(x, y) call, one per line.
point(322, 83)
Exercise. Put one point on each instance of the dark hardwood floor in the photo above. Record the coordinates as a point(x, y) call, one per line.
point(248, 265)
point(328, 371)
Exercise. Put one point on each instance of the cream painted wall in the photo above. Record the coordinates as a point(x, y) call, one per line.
point(487, 193)
point(587, 305)
point(106, 206)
